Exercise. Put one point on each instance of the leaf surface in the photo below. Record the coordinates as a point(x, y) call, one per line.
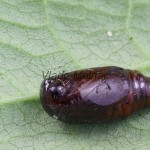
point(56, 35)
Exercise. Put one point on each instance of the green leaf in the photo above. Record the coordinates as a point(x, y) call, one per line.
point(59, 35)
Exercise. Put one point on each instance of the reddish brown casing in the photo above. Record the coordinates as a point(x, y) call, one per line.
point(95, 95)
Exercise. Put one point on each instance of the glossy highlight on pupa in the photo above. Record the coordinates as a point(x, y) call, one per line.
point(95, 94)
